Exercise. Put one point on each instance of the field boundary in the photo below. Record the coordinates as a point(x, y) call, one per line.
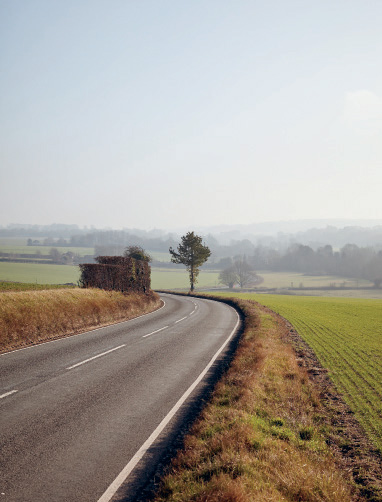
point(350, 442)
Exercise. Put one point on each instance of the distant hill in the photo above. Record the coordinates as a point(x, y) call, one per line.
point(236, 239)
point(287, 227)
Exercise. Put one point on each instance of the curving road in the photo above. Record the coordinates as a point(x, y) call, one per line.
point(85, 417)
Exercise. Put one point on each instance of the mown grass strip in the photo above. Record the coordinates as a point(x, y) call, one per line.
point(263, 436)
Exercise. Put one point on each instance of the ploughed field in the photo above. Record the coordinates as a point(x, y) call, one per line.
point(346, 335)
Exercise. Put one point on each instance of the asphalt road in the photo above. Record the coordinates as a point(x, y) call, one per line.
point(82, 418)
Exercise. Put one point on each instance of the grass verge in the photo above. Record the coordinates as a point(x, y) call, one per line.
point(346, 336)
point(267, 432)
point(29, 317)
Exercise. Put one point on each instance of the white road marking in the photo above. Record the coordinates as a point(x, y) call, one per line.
point(183, 318)
point(8, 393)
point(126, 471)
point(157, 331)
point(95, 357)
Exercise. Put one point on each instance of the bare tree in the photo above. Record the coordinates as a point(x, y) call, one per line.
point(244, 272)
point(138, 253)
point(228, 277)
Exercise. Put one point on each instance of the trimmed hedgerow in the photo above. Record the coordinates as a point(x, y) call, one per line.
point(116, 273)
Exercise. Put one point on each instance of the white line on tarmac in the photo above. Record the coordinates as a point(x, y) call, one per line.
point(126, 471)
point(157, 331)
point(8, 393)
point(95, 357)
point(183, 318)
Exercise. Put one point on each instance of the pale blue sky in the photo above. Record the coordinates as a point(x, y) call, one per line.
point(166, 114)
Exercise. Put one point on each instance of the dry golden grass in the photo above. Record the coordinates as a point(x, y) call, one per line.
point(30, 317)
point(262, 437)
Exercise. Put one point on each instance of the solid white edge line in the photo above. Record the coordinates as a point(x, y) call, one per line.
point(126, 471)
point(83, 333)
point(95, 357)
point(157, 331)
point(8, 393)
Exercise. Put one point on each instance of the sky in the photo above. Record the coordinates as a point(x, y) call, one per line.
point(173, 113)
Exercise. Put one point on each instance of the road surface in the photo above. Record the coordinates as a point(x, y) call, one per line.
point(81, 418)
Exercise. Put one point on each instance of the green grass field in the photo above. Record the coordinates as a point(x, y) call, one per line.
point(45, 250)
point(39, 274)
point(295, 280)
point(346, 335)
point(24, 286)
point(13, 241)
point(162, 278)
point(160, 256)
point(61, 274)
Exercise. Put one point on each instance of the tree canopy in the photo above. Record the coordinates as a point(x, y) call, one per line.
point(192, 253)
point(138, 253)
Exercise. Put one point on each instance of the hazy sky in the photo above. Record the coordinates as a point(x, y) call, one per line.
point(169, 113)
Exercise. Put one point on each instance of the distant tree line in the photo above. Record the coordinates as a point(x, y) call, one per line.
point(349, 261)
point(121, 239)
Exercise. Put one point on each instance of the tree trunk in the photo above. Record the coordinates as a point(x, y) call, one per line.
point(192, 278)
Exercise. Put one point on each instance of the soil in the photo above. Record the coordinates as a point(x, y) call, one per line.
point(353, 451)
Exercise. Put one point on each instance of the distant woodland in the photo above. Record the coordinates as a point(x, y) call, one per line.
point(353, 252)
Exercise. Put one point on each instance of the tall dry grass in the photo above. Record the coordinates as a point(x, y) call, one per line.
point(263, 437)
point(29, 317)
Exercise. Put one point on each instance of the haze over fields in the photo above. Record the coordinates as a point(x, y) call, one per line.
point(147, 114)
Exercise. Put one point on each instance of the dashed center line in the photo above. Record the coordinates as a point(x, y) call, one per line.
point(157, 331)
point(8, 393)
point(183, 318)
point(95, 357)
point(176, 322)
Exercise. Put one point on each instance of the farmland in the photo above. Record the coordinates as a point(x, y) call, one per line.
point(25, 286)
point(162, 278)
point(282, 280)
point(61, 274)
point(18, 246)
point(346, 335)
point(39, 274)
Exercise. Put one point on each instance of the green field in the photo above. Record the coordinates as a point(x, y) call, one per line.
point(24, 286)
point(160, 256)
point(282, 280)
point(162, 278)
point(61, 274)
point(39, 274)
point(13, 241)
point(346, 335)
point(45, 250)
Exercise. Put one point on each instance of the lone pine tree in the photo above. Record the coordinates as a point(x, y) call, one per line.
point(192, 253)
